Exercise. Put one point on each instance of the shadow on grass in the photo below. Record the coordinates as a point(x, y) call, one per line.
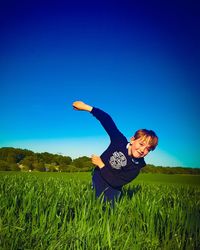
point(131, 191)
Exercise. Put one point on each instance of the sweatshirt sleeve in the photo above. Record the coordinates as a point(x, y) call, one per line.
point(119, 177)
point(107, 123)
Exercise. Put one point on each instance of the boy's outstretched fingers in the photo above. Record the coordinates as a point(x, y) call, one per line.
point(74, 108)
point(76, 105)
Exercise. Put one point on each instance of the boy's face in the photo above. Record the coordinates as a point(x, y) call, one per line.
point(140, 147)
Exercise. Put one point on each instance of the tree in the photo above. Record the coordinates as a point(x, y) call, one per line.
point(72, 168)
point(83, 163)
point(28, 161)
point(51, 167)
point(4, 166)
point(64, 160)
point(14, 167)
point(39, 166)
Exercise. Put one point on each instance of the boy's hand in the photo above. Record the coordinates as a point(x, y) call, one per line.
point(96, 160)
point(78, 105)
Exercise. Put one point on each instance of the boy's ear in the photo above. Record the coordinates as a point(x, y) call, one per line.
point(132, 139)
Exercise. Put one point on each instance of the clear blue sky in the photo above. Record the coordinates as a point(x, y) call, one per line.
point(137, 60)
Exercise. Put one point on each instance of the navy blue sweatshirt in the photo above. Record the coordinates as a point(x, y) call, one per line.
point(120, 168)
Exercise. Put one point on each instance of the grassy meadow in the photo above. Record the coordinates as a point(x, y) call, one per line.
point(59, 211)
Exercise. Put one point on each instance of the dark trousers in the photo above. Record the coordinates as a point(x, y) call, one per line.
point(101, 187)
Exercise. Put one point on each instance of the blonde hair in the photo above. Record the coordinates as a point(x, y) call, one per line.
point(145, 133)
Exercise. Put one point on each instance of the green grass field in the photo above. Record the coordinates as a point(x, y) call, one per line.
point(59, 211)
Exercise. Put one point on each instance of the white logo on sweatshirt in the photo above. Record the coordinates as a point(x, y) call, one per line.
point(118, 160)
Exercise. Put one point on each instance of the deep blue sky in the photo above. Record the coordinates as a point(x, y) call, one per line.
point(137, 60)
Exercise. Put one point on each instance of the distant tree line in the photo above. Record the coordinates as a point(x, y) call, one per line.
point(170, 170)
point(15, 159)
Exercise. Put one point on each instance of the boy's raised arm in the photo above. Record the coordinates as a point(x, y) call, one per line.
point(105, 119)
point(81, 106)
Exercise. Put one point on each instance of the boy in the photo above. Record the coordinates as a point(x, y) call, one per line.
point(121, 162)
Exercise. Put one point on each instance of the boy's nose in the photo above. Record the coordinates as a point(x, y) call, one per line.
point(142, 150)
